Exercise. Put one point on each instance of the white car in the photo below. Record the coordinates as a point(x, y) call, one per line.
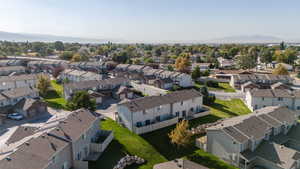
point(15, 116)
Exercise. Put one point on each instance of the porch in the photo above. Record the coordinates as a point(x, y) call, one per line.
point(156, 125)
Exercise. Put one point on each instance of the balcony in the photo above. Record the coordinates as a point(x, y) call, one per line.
point(98, 145)
point(156, 125)
point(198, 113)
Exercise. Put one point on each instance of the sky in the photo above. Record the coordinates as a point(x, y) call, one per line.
point(152, 20)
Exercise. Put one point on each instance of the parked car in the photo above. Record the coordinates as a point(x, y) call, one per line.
point(15, 116)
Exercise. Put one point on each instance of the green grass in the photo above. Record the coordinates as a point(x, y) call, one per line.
point(208, 159)
point(126, 142)
point(229, 108)
point(54, 97)
point(155, 146)
point(222, 87)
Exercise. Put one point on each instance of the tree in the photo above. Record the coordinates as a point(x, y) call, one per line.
point(182, 64)
point(207, 99)
point(120, 57)
point(79, 57)
point(266, 56)
point(280, 57)
point(196, 73)
point(43, 84)
point(291, 55)
point(181, 136)
point(282, 45)
point(280, 70)
point(81, 99)
point(58, 45)
point(66, 55)
point(170, 68)
point(246, 61)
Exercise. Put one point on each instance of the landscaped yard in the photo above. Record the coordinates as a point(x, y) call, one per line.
point(55, 97)
point(155, 147)
point(126, 142)
point(222, 87)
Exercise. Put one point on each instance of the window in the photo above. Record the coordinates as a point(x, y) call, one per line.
point(83, 136)
point(255, 107)
point(280, 98)
point(53, 160)
point(298, 107)
point(262, 98)
point(157, 118)
point(138, 124)
point(177, 114)
point(79, 156)
point(181, 103)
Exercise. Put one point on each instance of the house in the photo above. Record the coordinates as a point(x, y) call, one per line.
point(30, 107)
point(8, 70)
point(264, 80)
point(150, 113)
point(11, 62)
point(74, 75)
point(203, 66)
point(72, 143)
point(97, 67)
point(179, 164)
point(165, 83)
point(259, 98)
point(225, 75)
point(98, 97)
point(18, 81)
point(280, 85)
point(138, 72)
point(95, 85)
point(225, 63)
point(268, 137)
point(249, 86)
point(13, 96)
point(47, 66)
point(286, 66)
point(124, 93)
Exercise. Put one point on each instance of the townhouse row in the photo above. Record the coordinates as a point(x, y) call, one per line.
point(150, 113)
point(72, 143)
point(137, 72)
point(268, 137)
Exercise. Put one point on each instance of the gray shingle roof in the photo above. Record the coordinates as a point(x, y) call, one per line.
point(154, 101)
point(19, 92)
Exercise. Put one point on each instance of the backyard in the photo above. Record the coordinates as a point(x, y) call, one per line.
point(155, 147)
point(222, 87)
point(54, 97)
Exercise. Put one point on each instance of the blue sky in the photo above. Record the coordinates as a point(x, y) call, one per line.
point(152, 20)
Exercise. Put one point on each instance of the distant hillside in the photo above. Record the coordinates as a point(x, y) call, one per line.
point(21, 37)
point(247, 39)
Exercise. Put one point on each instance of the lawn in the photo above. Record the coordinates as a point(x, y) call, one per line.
point(220, 109)
point(229, 108)
point(155, 147)
point(207, 159)
point(54, 97)
point(222, 87)
point(126, 142)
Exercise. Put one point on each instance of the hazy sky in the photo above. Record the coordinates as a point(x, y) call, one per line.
point(152, 20)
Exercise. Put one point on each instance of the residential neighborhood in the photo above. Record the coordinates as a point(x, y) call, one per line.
point(149, 84)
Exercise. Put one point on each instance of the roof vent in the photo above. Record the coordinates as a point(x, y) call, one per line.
point(27, 143)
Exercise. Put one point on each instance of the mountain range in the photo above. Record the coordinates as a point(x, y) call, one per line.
point(22, 37)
